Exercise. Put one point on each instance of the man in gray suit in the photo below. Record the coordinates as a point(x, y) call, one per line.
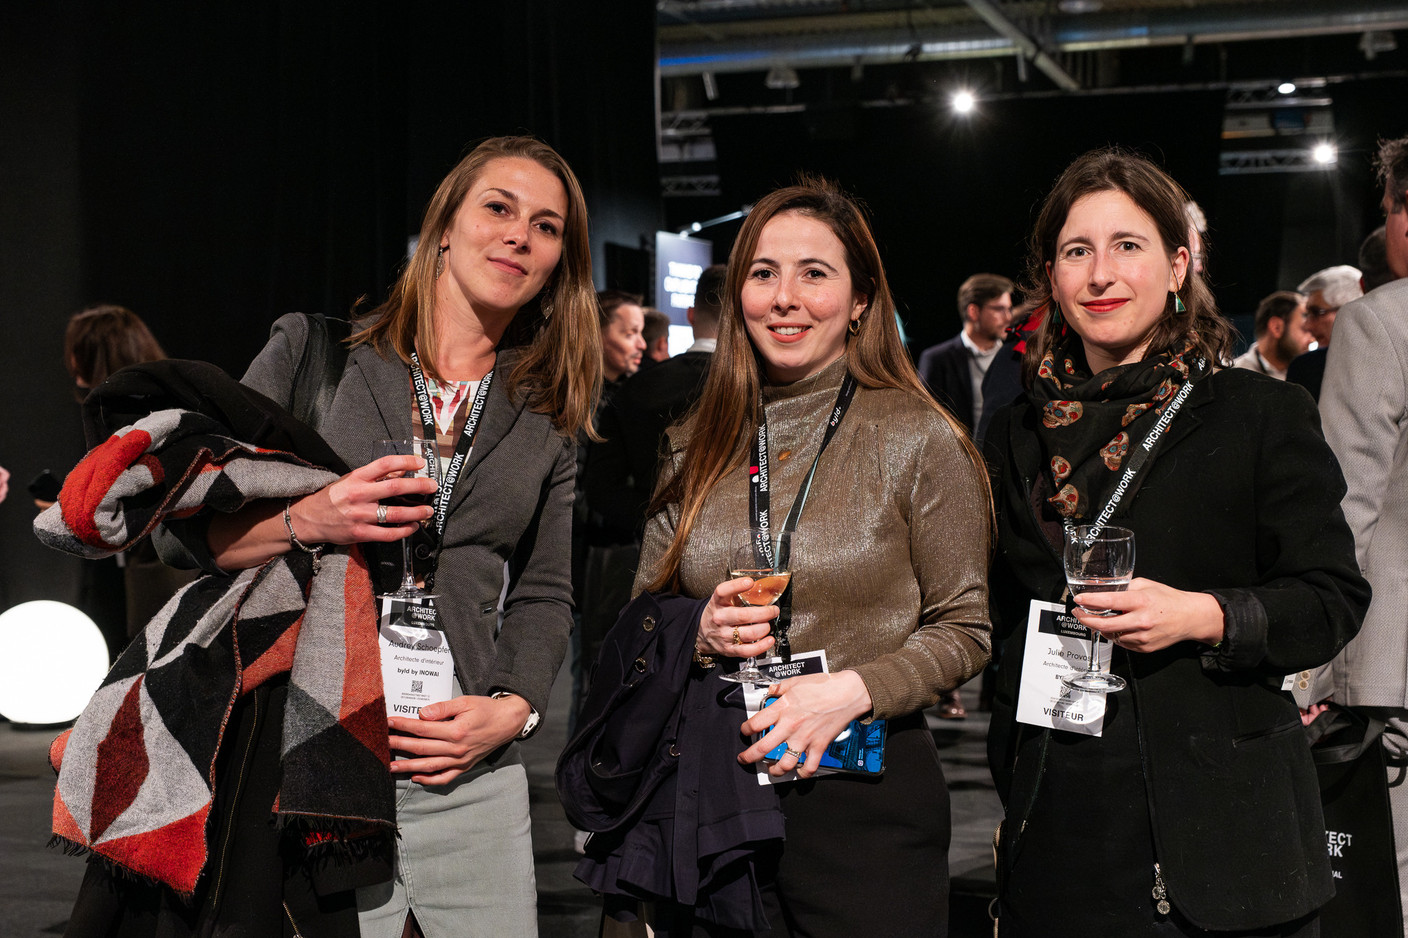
point(1364, 406)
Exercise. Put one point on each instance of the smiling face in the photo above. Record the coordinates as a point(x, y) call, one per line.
point(797, 297)
point(1112, 276)
point(504, 241)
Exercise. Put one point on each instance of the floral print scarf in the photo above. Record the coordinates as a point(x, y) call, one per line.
point(1089, 422)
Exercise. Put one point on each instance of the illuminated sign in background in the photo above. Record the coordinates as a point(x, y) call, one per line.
point(679, 260)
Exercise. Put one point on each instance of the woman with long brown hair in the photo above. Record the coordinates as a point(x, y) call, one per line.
point(487, 349)
point(888, 574)
point(1195, 808)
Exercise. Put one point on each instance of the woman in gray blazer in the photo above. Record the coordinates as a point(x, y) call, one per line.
point(492, 326)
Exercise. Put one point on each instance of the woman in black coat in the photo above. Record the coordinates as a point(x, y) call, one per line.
point(1197, 809)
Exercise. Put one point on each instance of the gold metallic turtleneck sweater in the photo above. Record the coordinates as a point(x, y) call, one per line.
point(890, 572)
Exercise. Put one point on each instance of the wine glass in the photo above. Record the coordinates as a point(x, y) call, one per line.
point(1098, 559)
point(426, 450)
point(767, 559)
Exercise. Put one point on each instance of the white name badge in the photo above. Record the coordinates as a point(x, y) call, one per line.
point(416, 667)
point(1058, 646)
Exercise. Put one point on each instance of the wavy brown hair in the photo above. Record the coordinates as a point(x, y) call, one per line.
point(560, 371)
point(102, 339)
point(723, 422)
point(1154, 191)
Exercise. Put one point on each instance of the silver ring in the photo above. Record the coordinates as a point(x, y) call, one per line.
point(380, 514)
point(794, 753)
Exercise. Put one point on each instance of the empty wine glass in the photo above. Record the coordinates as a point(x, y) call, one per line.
point(426, 450)
point(1098, 560)
point(767, 560)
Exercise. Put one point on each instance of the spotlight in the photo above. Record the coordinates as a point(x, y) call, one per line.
point(1324, 153)
point(1286, 87)
point(695, 226)
point(963, 102)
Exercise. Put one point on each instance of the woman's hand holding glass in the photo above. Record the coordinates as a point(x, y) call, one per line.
point(810, 712)
point(345, 512)
point(722, 621)
point(1150, 616)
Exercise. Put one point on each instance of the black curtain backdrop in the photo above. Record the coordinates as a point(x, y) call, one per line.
point(213, 167)
point(949, 196)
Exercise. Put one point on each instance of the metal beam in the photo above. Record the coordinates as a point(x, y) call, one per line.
point(1027, 46)
point(843, 39)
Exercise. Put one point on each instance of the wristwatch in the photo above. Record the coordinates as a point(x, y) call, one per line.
point(534, 718)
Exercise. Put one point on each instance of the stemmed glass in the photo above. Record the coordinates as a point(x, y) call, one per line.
point(767, 559)
point(1098, 560)
point(426, 450)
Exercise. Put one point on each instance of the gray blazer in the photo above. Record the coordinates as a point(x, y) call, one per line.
point(512, 505)
point(1364, 407)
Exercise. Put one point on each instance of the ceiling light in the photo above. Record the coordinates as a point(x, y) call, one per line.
point(1286, 87)
point(1079, 6)
point(963, 102)
point(782, 77)
point(1324, 153)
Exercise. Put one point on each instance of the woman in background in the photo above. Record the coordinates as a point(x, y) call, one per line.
point(99, 341)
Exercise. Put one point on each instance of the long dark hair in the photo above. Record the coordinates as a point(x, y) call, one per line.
point(560, 372)
point(727, 414)
point(1154, 191)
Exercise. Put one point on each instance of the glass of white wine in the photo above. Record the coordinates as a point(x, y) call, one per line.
point(766, 559)
point(1097, 560)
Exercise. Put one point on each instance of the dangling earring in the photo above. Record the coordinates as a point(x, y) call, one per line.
point(1055, 313)
point(440, 261)
point(854, 327)
point(1178, 306)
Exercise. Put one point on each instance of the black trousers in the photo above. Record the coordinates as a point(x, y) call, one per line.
point(863, 856)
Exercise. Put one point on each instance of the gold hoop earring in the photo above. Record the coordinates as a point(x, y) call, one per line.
point(854, 327)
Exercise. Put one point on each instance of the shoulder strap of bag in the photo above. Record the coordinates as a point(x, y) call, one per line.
point(320, 368)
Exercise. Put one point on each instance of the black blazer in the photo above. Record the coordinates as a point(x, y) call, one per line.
point(621, 470)
point(944, 368)
point(1241, 500)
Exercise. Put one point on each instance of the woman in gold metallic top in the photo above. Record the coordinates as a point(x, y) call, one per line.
point(888, 577)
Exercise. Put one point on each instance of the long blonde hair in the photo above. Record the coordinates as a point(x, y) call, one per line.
point(560, 371)
point(726, 416)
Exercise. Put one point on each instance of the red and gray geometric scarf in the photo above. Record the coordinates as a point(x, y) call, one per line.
point(137, 771)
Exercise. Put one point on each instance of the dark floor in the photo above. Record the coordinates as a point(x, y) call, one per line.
point(37, 884)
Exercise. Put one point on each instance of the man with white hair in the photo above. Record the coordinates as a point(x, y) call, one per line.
point(1325, 292)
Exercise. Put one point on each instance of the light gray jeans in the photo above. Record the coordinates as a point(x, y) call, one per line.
point(464, 860)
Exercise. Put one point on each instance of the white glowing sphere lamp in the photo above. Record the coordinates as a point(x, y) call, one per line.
point(52, 659)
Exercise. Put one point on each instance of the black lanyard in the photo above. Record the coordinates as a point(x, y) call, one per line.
point(1130, 480)
point(441, 504)
point(759, 500)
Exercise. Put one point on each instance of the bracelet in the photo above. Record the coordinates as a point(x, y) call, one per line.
point(705, 662)
point(293, 540)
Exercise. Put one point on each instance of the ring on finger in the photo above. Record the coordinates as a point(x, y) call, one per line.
point(380, 514)
point(736, 639)
point(794, 753)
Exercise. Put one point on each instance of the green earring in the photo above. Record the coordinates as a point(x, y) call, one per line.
point(1178, 306)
